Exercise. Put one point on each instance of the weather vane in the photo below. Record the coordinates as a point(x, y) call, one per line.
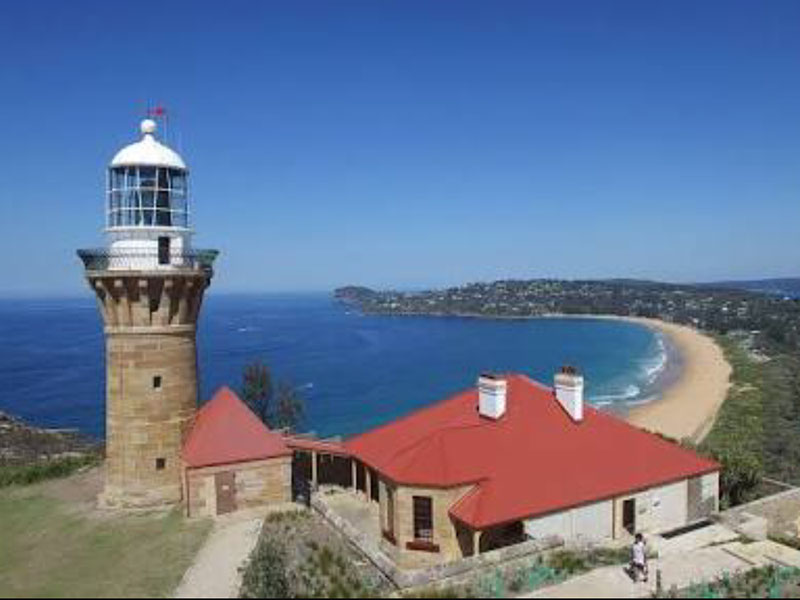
point(159, 113)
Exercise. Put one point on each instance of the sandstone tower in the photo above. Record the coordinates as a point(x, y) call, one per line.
point(149, 284)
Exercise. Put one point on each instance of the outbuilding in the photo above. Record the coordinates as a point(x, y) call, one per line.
point(232, 461)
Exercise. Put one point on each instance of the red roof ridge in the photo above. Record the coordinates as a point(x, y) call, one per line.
point(414, 413)
point(475, 490)
point(438, 404)
point(533, 382)
point(434, 435)
point(437, 438)
point(226, 431)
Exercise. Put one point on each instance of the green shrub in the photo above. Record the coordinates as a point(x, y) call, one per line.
point(445, 591)
point(763, 582)
point(266, 575)
point(737, 439)
point(567, 562)
point(328, 574)
point(602, 557)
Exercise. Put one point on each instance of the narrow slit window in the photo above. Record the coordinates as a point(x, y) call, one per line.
point(161, 464)
point(157, 382)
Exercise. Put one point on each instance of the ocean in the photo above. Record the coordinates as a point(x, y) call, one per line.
point(354, 371)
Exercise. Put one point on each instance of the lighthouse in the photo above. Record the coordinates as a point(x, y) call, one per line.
point(149, 282)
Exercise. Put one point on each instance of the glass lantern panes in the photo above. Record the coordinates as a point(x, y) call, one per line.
point(147, 197)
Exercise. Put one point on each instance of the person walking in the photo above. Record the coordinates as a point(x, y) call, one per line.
point(639, 558)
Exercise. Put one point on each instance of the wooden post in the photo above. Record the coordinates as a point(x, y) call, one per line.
point(367, 483)
point(314, 469)
point(476, 543)
point(354, 471)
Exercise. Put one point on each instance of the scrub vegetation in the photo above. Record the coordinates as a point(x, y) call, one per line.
point(299, 556)
point(764, 582)
point(27, 474)
point(527, 576)
point(31, 454)
point(756, 432)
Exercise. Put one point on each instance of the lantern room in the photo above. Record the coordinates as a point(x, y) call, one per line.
point(147, 211)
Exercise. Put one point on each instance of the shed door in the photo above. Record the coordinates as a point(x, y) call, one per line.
point(694, 499)
point(629, 515)
point(226, 492)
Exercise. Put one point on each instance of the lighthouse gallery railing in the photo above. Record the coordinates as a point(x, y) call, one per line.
point(102, 259)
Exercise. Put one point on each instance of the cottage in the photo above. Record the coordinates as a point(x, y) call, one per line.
point(513, 459)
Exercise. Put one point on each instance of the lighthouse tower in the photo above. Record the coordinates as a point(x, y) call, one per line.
point(149, 284)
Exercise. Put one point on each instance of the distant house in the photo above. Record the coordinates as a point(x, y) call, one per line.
point(513, 459)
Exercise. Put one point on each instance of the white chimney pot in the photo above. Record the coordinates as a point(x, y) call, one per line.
point(492, 391)
point(569, 392)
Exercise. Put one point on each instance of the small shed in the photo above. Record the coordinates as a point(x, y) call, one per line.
point(232, 460)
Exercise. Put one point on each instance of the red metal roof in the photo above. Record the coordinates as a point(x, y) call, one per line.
point(532, 461)
point(226, 431)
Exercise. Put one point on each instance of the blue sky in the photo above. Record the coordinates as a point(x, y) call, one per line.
point(410, 144)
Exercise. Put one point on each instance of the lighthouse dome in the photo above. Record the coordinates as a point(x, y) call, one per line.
point(148, 152)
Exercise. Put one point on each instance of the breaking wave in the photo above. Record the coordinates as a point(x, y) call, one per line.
point(646, 377)
point(629, 394)
point(654, 367)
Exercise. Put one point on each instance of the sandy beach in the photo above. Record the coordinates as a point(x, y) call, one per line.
point(688, 407)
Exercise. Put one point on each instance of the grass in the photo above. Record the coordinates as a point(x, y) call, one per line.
point(49, 549)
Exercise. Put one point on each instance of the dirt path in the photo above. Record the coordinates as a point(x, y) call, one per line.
point(215, 572)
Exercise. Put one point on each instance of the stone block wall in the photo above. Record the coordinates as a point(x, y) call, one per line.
point(151, 379)
point(151, 398)
point(445, 530)
point(258, 483)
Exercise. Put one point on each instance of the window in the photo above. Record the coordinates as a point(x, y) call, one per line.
point(423, 518)
point(163, 180)
point(161, 463)
point(157, 382)
point(147, 196)
point(147, 177)
point(163, 251)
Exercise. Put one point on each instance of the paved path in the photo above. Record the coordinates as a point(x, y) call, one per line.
point(679, 570)
point(215, 572)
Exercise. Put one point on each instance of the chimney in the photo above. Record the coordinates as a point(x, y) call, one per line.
point(569, 392)
point(491, 396)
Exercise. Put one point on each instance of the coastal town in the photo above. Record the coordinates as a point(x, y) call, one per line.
point(704, 306)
